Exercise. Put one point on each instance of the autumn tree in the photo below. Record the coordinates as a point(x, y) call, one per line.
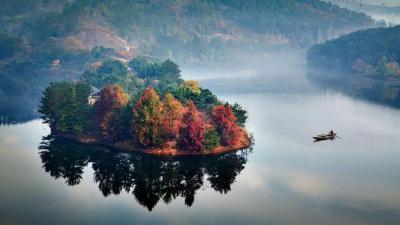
point(147, 119)
point(172, 115)
point(192, 86)
point(226, 124)
point(194, 128)
point(108, 110)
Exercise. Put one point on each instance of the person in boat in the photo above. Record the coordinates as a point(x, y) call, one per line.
point(331, 132)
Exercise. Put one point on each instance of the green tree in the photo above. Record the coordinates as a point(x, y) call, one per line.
point(110, 72)
point(65, 108)
point(211, 139)
point(240, 114)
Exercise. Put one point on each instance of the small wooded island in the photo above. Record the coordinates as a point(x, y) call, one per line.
point(143, 106)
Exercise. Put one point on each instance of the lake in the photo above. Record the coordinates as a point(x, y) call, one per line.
point(285, 179)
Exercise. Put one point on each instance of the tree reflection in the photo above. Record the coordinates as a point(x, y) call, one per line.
point(150, 179)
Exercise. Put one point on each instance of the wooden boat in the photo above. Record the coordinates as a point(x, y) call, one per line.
point(322, 137)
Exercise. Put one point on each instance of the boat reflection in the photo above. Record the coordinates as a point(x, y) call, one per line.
point(150, 179)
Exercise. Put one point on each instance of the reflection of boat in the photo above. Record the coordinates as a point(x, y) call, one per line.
point(322, 137)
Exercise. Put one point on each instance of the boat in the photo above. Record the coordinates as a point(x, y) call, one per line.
point(328, 136)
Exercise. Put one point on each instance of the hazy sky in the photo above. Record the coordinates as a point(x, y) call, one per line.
point(372, 2)
point(386, 2)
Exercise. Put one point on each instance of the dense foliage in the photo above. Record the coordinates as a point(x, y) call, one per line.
point(147, 119)
point(152, 117)
point(108, 111)
point(226, 124)
point(192, 134)
point(64, 106)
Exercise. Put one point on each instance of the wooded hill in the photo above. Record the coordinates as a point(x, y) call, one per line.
point(48, 40)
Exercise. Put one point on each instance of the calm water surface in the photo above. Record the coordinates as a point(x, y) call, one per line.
point(285, 179)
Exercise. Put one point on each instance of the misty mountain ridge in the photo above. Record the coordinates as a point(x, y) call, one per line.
point(47, 40)
point(177, 29)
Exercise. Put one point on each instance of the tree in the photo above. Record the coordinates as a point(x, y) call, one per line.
point(194, 128)
point(172, 116)
point(225, 122)
point(191, 85)
point(108, 110)
point(64, 107)
point(147, 119)
point(211, 139)
point(170, 70)
point(110, 72)
point(240, 114)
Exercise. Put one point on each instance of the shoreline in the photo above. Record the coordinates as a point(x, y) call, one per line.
point(130, 148)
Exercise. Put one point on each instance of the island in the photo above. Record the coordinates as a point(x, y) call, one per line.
point(143, 106)
point(365, 63)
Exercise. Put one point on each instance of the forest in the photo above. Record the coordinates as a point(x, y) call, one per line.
point(144, 105)
point(372, 52)
point(364, 63)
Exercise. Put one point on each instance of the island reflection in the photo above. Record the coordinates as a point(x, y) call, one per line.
point(150, 179)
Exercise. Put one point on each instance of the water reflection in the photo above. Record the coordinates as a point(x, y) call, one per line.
point(149, 179)
point(17, 109)
point(369, 89)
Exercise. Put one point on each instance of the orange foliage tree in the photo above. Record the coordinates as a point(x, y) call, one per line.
point(225, 122)
point(107, 109)
point(172, 116)
point(147, 119)
point(191, 135)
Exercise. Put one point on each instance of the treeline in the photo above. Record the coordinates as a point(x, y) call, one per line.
point(372, 53)
point(156, 110)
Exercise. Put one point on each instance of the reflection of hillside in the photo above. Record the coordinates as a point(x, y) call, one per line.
point(16, 109)
point(366, 88)
point(149, 179)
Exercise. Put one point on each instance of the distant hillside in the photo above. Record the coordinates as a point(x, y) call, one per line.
point(174, 28)
point(45, 40)
point(366, 61)
point(369, 52)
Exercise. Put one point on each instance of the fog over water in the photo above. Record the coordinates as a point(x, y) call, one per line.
point(287, 179)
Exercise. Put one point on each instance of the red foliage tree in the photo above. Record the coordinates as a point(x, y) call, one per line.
point(147, 119)
point(112, 100)
point(225, 122)
point(194, 128)
point(172, 116)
